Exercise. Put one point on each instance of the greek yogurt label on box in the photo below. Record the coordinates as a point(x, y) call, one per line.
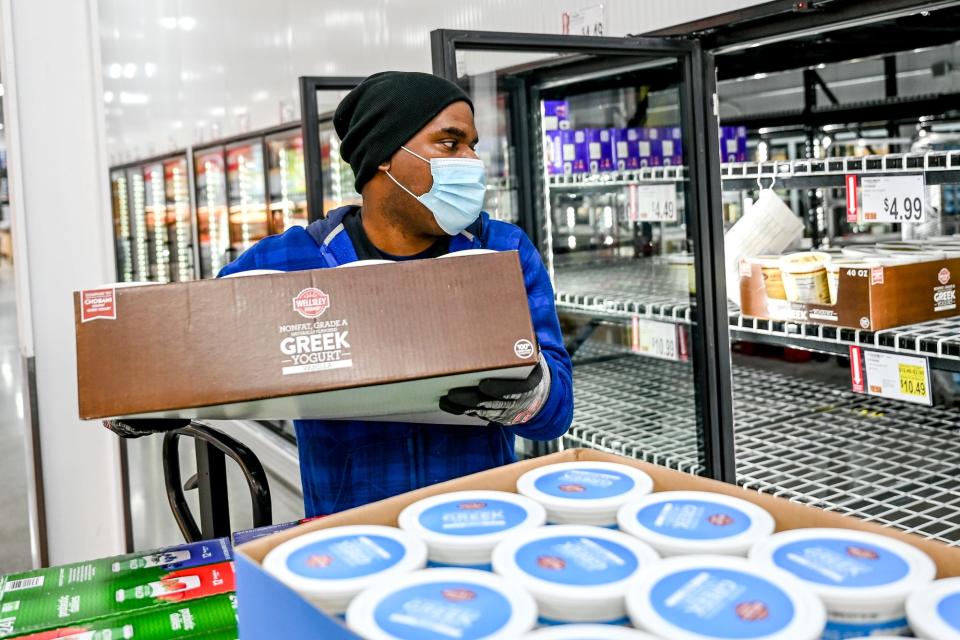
point(473, 517)
point(840, 562)
point(443, 610)
point(949, 611)
point(722, 603)
point(576, 560)
point(585, 484)
point(694, 519)
point(345, 557)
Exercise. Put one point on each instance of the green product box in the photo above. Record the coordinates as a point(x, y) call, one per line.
point(31, 610)
point(184, 556)
point(209, 618)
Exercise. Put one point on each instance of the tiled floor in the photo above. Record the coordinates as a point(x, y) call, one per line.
point(14, 531)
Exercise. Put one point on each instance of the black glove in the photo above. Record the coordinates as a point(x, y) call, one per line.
point(144, 426)
point(500, 401)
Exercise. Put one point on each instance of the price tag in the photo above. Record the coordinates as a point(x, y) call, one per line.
point(657, 202)
point(893, 198)
point(898, 377)
point(585, 22)
point(655, 339)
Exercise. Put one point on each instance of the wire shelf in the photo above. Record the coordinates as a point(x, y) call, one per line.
point(806, 441)
point(645, 175)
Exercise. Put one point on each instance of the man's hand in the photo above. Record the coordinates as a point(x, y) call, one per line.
point(143, 427)
point(500, 401)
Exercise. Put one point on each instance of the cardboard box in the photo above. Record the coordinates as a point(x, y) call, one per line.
point(868, 299)
point(369, 342)
point(269, 609)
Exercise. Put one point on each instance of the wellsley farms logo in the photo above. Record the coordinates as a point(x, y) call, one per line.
point(311, 302)
point(944, 276)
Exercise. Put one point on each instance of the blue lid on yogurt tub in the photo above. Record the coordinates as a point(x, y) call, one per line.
point(850, 570)
point(329, 567)
point(934, 611)
point(723, 597)
point(462, 528)
point(588, 632)
point(695, 522)
point(577, 573)
point(584, 492)
point(438, 604)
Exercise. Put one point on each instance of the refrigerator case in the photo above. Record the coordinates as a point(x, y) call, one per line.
point(122, 228)
point(336, 175)
point(138, 223)
point(179, 228)
point(213, 227)
point(620, 237)
point(287, 179)
point(246, 195)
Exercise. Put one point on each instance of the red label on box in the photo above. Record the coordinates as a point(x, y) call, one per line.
point(311, 302)
point(96, 304)
point(856, 369)
point(852, 207)
point(944, 276)
point(876, 275)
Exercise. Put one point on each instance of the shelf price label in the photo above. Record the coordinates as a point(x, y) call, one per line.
point(893, 198)
point(657, 202)
point(655, 339)
point(896, 376)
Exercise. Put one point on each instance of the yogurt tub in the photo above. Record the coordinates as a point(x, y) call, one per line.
point(462, 528)
point(588, 632)
point(331, 566)
point(934, 611)
point(695, 522)
point(772, 278)
point(576, 573)
point(683, 273)
point(443, 603)
point(723, 597)
point(805, 277)
point(863, 578)
point(584, 492)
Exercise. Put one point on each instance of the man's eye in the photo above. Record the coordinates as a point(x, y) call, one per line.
point(450, 144)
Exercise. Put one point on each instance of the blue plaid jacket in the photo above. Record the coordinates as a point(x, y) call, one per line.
point(344, 464)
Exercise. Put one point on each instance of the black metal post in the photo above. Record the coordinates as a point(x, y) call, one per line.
point(890, 91)
point(810, 79)
point(212, 491)
point(710, 335)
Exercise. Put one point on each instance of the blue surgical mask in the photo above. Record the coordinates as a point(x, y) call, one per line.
point(456, 197)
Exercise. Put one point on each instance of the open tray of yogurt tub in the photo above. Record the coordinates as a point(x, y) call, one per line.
point(269, 608)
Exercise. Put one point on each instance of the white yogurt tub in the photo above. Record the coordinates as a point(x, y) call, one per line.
point(805, 277)
point(443, 603)
point(577, 573)
point(462, 528)
point(331, 566)
point(934, 611)
point(696, 522)
point(588, 632)
point(863, 578)
point(584, 492)
point(721, 598)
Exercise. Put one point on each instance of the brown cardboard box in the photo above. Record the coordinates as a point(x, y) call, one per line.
point(367, 342)
point(868, 299)
point(253, 582)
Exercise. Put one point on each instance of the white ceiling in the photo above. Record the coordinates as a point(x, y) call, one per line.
point(181, 72)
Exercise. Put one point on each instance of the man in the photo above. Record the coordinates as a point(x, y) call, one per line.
point(410, 140)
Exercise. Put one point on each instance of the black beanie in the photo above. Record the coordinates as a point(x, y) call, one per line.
point(386, 110)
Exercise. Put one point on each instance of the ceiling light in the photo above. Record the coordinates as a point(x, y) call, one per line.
point(149, 69)
point(133, 98)
point(260, 96)
point(177, 124)
point(168, 22)
point(115, 71)
point(187, 23)
point(108, 96)
point(239, 111)
point(129, 70)
point(218, 111)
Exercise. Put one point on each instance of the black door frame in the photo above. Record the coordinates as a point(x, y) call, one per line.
point(711, 345)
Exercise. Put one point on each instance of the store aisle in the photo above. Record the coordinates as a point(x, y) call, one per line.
point(14, 530)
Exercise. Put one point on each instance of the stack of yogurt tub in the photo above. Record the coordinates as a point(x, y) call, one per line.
point(587, 551)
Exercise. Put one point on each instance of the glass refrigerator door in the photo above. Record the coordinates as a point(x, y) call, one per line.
point(122, 229)
point(179, 229)
point(246, 195)
point(213, 229)
point(158, 242)
point(288, 184)
point(138, 224)
point(337, 176)
point(592, 138)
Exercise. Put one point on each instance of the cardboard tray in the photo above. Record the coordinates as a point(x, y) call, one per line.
point(868, 299)
point(269, 609)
